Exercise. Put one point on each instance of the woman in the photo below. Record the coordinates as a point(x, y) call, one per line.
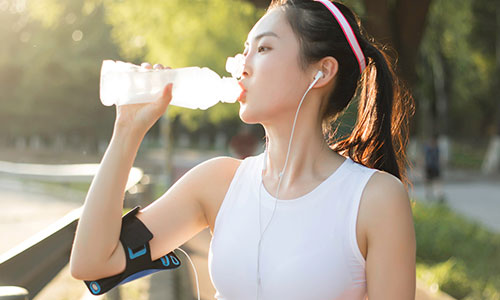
point(341, 225)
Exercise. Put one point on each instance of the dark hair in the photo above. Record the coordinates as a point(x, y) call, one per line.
point(380, 135)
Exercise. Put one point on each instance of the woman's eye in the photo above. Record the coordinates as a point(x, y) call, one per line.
point(261, 48)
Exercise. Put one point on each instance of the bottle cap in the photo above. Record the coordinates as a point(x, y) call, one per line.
point(234, 65)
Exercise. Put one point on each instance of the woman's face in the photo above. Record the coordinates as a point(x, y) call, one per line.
point(272, 77)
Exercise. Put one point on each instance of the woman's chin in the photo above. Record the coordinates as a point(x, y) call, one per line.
point(247, 116)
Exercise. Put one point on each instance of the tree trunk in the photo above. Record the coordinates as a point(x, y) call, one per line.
point(491, 162)
point(441, 102)
point(402, 28)
point(497, 74)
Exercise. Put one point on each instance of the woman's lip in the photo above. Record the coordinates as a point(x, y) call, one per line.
point(242, 95)
point(241, 85)
point(243, 91)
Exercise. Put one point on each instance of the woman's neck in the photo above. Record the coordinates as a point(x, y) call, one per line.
point(308, 152)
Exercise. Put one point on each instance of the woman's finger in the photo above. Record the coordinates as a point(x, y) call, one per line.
point(158, 66)
point(167, 92)
point(166, 97)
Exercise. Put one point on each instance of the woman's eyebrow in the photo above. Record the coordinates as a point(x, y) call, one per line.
point(259, 36)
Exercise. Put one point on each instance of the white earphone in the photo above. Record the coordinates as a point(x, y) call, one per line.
point(318, 75)
point(316, 78)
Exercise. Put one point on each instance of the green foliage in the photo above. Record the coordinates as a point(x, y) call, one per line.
point(49, 69)
point(455, 39)
point(460, 255)
point(467, 156)
point(449, 275)
point(356, 5)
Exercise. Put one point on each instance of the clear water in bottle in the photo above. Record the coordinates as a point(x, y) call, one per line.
point(194, 87)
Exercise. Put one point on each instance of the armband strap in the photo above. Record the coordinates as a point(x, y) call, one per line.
point(135, 238)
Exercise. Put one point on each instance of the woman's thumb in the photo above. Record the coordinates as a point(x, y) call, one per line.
point(167, 93)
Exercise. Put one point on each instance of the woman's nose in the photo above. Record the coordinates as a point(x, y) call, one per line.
point(245, 72)
point(246, 65)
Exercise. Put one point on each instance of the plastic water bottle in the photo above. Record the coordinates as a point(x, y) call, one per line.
point(194, 87)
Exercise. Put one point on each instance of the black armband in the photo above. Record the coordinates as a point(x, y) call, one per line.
point(135, 238)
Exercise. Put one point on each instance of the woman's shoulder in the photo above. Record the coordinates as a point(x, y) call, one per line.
point(219, 166)
point(382, 182)
point(228, 160)
point(384, 195)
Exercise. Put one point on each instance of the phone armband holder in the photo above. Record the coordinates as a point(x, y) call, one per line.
point(135, 238)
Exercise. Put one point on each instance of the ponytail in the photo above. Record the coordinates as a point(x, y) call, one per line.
point(380, 135)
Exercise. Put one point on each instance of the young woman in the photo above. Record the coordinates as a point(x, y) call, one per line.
point(309, 218)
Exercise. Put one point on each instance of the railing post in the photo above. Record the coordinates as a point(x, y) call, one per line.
point(13, 293)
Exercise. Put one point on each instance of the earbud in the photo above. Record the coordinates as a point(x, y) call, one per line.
point(318, 75)
point(316, 78)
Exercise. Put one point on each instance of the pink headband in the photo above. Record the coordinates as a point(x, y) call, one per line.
point(351, 38)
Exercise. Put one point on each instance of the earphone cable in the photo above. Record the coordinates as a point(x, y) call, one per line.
point(279, 183)
point(195, 273)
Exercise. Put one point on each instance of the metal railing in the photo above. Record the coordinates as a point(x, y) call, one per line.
point(35, 262)
point(27, 268)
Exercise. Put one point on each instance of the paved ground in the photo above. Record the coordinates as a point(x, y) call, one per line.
point(25, 210)
point(479, 202)
point(471, 194)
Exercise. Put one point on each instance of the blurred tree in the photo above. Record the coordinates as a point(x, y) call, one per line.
point(486, 39)
point(457, 71)
point(50, 70)
point(401, 25)
point(442, 61)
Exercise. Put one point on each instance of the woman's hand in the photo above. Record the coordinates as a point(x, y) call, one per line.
point(139, 118)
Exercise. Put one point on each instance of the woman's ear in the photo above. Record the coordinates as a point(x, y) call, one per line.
point(329, 67)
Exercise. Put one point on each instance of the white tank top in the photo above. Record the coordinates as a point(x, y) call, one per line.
point(309, 251)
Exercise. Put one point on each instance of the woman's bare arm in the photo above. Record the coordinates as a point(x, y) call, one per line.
point(95, 249)
point(174, 218)
point(98, 230)
point(391, 255)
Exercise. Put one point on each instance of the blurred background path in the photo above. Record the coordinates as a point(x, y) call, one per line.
point(469, 193)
